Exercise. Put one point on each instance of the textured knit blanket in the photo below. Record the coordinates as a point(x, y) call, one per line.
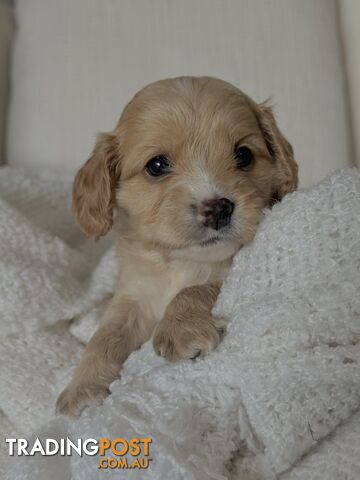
point(278, 399)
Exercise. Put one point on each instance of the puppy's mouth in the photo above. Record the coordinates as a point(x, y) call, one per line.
point(210, 241)
point(215, 238)
point(212, 249)
point(203, 243)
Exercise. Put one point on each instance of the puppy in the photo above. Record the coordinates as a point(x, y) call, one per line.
point(188, 170)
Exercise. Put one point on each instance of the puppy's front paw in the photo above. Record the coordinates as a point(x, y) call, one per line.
point(76, 397)
point(177, 338)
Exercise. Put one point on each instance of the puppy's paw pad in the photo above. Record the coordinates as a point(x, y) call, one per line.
point(74, 399)
point(163, 346)
point(197, 355)
point(188, 340)
point(221, 331)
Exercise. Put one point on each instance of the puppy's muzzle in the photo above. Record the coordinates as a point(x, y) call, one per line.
point(216, 213)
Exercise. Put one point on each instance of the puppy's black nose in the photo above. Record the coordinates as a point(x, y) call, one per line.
point(217, 212)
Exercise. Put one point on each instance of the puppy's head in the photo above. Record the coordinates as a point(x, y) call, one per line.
point(190, 166)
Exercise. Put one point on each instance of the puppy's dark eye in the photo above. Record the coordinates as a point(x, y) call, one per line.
point(243, 157)
point(157, 166)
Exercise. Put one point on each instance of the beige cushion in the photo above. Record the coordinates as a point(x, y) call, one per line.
point(77, 62)
point(349, 21)
point(6, 33)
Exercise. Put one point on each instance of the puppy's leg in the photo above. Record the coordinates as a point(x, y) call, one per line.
point(124, 328)
point(188, 328)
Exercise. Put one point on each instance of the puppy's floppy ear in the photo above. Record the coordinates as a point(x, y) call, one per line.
point(286, 178)
point(94, 187)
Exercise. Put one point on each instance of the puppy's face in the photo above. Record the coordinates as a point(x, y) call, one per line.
point(190, 167)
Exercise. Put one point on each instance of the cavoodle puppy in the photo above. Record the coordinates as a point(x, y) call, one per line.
point(183, 178)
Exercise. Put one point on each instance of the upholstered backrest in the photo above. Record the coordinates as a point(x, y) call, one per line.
point(6, 34)
point(349, 22)
point(77, 62)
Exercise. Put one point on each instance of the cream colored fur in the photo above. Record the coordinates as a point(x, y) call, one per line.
point(172, 265)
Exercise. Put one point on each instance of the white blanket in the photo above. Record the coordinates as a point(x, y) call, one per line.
point(279, 397)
